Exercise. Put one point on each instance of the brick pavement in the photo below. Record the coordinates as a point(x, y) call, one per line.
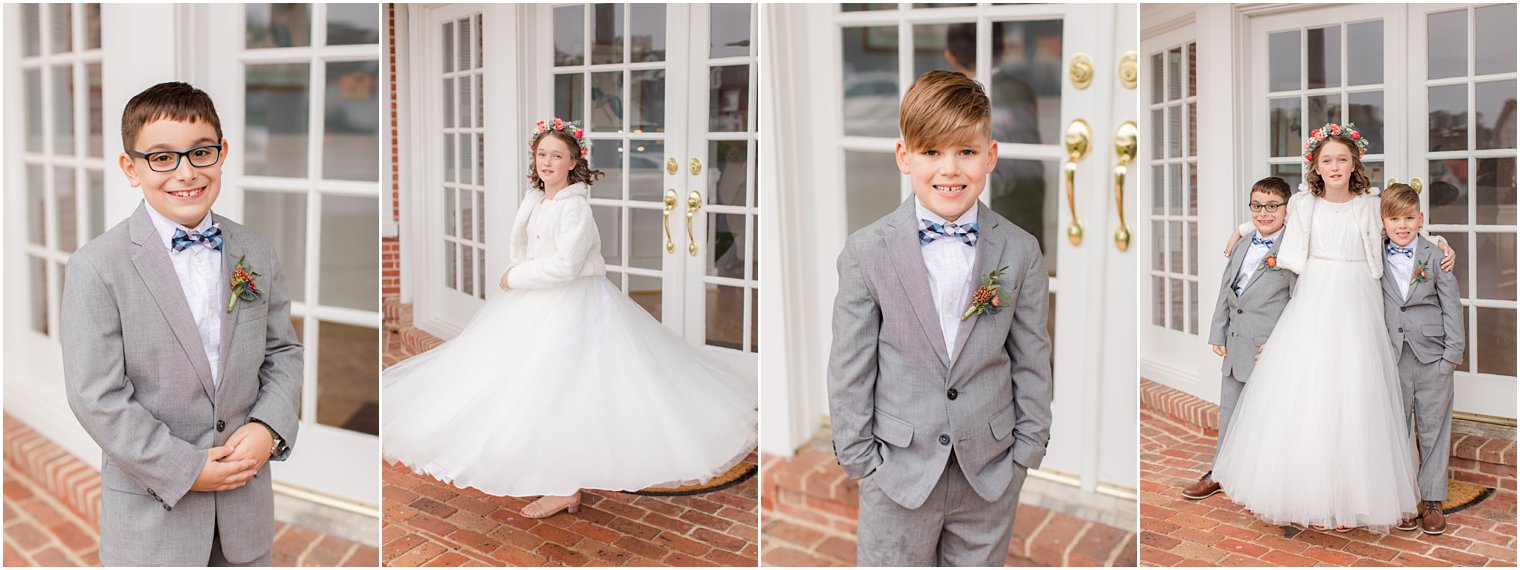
point(809, 513)
point(1217, 532)
point(52, 505)
point(428, 522)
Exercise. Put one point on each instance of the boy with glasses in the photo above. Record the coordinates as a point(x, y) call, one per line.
point(179, 356)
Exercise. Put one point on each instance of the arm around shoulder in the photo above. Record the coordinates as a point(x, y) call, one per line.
point(853, 368)
point(1293, 254)
point(1029, 349)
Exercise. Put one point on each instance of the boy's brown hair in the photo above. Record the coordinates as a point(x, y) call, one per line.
point(1274, 186)
point(1400, 200)
point(174, 100)
point(943, 107)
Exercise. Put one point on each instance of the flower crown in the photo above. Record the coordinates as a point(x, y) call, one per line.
point(1333, 130)
point(559, 124)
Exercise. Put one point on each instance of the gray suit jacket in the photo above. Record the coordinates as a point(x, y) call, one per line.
point(899, 403)
point(1431, 318)
point(140, 384)
point(1243, 322)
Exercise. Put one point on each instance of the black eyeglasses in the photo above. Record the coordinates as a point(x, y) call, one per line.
point(168, 160)
point(1257, 206)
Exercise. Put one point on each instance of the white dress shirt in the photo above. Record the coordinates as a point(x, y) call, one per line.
point(949, 262)
point(199, 268)
point(1402, 267)
point(1254, 255)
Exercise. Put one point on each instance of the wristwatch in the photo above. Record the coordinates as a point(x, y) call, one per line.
point(277, 443)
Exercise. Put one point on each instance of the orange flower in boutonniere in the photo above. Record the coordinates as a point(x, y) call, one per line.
point(989, 297)
point(1421, 273)
point(1270, 263)
point(243, 286)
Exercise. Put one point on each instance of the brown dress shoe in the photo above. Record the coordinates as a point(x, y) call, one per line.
point(1200, 489)
point(1433, 522)
point(1411, 523)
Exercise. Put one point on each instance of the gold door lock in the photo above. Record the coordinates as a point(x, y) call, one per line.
point(1078, 142)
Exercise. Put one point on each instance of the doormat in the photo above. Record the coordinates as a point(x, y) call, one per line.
point(734, 476)
point(1460, 495)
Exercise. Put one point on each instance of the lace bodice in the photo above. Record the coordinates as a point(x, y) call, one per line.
point(1333, 233)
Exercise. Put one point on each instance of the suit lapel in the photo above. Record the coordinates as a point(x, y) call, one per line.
point(1424, 251)
point(1277, 243)
point(157, 272)
point(989, 250)
point(908, 258)
point(1390, 285)
point(1237, 258)
point(231, 251)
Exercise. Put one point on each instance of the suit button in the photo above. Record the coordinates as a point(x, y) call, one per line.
point(1240, 311)
point(952, 394)
point(944, 439)
point(1401, 329)
point(167, 508)
point(220, 425)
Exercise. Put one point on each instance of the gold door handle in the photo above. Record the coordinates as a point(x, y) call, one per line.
point(693, 203)
point(1078, 141)
point(1126, 142)
point(670, 206)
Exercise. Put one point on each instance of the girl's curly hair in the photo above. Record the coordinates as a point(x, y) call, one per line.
point(582, 171)
point(1359, 180)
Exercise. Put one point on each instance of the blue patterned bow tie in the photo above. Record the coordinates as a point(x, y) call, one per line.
point(1258, 241)
point(1394, 249)
point(929, 231)
point(212, 238)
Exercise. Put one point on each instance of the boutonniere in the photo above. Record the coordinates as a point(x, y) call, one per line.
point(1421, 274)
point(989, 297)
point(242, 283)
point(1270, 263)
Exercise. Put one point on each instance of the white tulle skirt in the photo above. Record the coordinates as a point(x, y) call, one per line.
point(548, 391)
point(1318, 436)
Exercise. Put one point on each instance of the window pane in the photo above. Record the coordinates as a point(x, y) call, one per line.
point(726, 255)
point(450, 212)
point(467, 214)
point(1025, 86)
point(350, 270)
point(466, 160)
point(607, 101)
point(63, 109)
point(1446, 51)
point(1158, 309)
point(278, 25)
point(465, 86)
point(728, 103)
point(1448, 191)
point(606, 33)
point(1496, 266)
point(1283, 55)
point(1174, 74)
point(1192, 290)
point(853, 7)
point(569, 93)
point(467, 279)
point(1192, 76)
point(944, 46)
point(1158, 132)
point(727, 172)
point(1324, 57)
point(1192, 122)
point(66, 205)
point(870, 81)
point(1158, 79)
point(1364, 53)
point(61, 24)
point(725, 316)
point(1174, 131)
point(36, 205)
point(278, 104)
point(647, 236)
point(645, 175)
point(1366, 110)
point(1495, 343)
point(646, 292)
point(730, 25)
point(96, 144)
point(31, 25)
point(1495, 32)
point(647, 31)
point(1174, 253)
point(872, 189)
point(1494, 114)
point(1158, 189)
point(1190, 243)
point(1323, 109)
point(607, 156)
point(450, 279)
point(281, 217)
point(1174, 189)
point(39, 293)
point(348, 363)
point(1192, 188)
point(569, 35)
point(1293, 174)
point(97, 199)
point(647, 94)
point(1286, 129)
point(353, 24)
point(350, 149)
point(609, 226)
point(1174, 300)
point(450, 166)
point(1158, 247)
point(464, 52)
point(1448, 117)
point(1496, 191)
point(32, 82)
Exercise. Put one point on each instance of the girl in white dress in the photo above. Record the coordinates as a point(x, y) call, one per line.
point(561, 382)
point(1318, 437)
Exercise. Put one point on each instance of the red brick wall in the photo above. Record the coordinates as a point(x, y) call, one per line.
point(390, 248)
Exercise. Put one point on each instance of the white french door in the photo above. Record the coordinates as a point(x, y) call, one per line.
point(664, 93)
point(1433, 89)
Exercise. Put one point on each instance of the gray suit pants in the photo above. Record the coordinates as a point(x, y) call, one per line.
point(954, 527)
point(1428, 398)
point(219, 560)
point(1229, 394)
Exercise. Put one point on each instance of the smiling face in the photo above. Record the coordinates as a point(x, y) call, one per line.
point(1404, 226)
point(183, 195)
point(948, 178)
point(1335, 162)
point(553, 159)
point(1268, 222)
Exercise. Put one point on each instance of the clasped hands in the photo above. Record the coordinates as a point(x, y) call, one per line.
point(232, 464)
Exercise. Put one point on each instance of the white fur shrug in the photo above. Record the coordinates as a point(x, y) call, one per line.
point(1293, 255)
point(554, 242)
